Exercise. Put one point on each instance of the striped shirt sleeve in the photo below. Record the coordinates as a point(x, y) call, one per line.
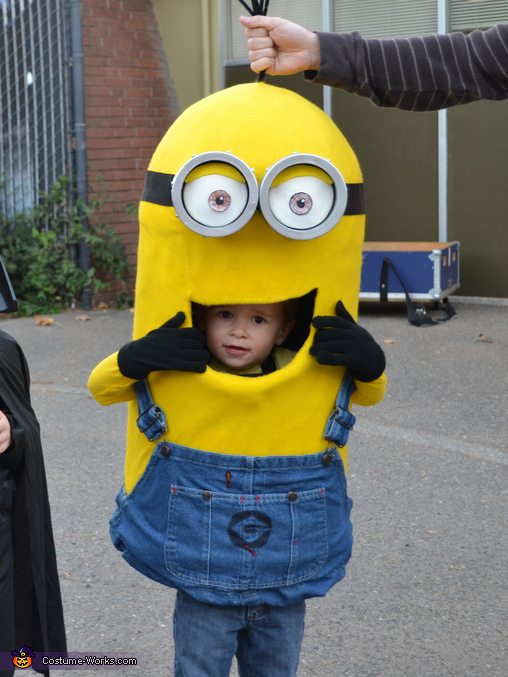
point(418, 73)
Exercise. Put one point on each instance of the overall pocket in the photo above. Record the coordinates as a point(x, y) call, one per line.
point(138, 524)
point(234, 542)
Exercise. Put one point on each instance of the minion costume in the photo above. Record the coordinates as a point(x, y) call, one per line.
point(235, 488)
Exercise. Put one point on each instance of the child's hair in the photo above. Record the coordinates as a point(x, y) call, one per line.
point(301, 310)
point(290, 307)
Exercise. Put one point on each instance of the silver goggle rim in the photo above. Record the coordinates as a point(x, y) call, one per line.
point(178, 183)
point(260, 196)
point(339, 203)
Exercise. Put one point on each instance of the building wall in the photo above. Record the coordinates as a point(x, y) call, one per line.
point(130, 103)
point(398, 153)
point(399, 173)
point(478, 195)
point(190, 38)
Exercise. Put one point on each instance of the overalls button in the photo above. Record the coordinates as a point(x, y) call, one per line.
point(292, 496)
point(327, 458)
point(207, 495)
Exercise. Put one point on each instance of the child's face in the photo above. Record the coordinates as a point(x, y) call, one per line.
point(241, 336)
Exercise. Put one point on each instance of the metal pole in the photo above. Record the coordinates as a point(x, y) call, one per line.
point(78, 95)
point(327, 27)
point(205, 46)
point(223, 37)
point(442, 127)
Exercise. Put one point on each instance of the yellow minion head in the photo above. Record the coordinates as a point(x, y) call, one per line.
point(253, 196)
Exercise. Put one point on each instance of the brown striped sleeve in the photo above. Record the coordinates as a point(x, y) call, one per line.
point(418, 73)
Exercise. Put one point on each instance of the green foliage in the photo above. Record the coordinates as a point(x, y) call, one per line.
point(40, 249)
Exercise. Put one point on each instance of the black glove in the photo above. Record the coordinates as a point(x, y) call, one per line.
point(167, 347)
point(340, 341)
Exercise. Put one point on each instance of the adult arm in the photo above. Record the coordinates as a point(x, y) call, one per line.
point(416, 74)
point(419, 73)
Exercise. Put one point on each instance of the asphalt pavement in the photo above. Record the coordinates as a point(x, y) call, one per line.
point(426, 594)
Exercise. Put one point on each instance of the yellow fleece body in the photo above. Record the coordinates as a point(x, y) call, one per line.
point(284, 412)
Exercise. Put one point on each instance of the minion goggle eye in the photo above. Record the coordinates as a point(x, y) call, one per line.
point(215, 194)
point(303, 196)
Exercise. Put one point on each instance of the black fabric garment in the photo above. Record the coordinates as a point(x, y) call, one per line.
point(38, 615)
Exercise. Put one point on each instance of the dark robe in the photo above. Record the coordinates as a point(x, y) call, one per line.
point(38, 615)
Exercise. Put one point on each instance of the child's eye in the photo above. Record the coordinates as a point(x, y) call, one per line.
point(225, 314)
point(258, 319)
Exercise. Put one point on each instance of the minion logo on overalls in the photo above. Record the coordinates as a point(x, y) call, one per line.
point(250, 529)
point(253, 196)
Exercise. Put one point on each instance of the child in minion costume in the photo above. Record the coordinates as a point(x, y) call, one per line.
point(235, 489)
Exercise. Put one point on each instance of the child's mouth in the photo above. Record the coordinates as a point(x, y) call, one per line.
point(236, 350)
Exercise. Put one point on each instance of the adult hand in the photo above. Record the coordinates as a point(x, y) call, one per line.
point(340, 341)
point(5, 433)
point(165, 348)
point(280, 47)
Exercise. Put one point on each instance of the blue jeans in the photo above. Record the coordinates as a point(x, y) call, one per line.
point(265, 639)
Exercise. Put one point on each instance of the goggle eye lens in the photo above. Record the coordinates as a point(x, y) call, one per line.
point(307, 205)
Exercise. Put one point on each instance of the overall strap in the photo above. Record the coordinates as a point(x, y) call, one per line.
point(151, 420)
point(341, 420)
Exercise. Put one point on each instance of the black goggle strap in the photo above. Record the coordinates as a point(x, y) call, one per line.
point(157, 190)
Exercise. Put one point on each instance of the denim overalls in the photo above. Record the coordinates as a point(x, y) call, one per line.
point(232, 529)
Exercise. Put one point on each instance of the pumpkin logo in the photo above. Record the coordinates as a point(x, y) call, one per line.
point(23, 658)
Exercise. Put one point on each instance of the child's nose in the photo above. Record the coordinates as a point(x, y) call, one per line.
point(239, 328)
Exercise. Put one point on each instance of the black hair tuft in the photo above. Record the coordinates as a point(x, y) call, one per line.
point(259, 8)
